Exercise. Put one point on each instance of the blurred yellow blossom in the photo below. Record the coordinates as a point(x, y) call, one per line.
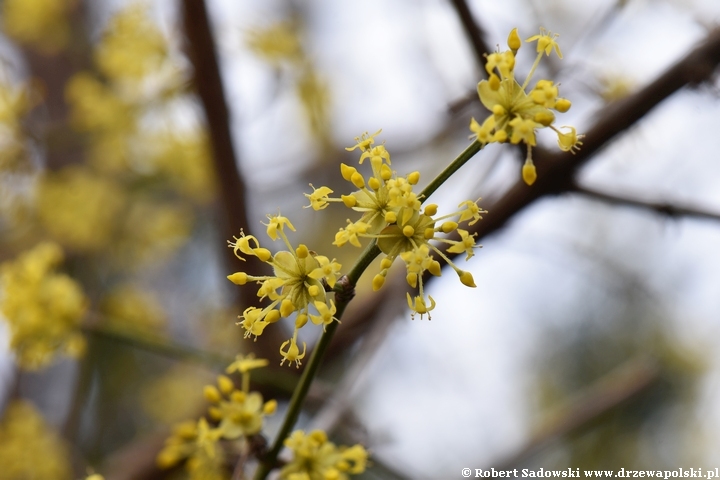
point(316, 458)
point(41, 23)
point(198, 443)
point(132, 45)
point(277, 43)
point(43, 308)
point(29, 448)
point(79, 208)
point(129, 307)
point(175, 395)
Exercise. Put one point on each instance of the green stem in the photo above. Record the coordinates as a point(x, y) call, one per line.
point(454, 166)
point(268, 462)
point(342, 298)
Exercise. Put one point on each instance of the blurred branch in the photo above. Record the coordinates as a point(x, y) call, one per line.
point(473, 31)
point(208, 82)
point(667, 209)
point(622, 385)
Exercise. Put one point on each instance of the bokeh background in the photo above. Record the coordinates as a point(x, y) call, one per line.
point(590, 340)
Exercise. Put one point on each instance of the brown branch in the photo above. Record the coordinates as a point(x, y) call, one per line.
point(208, 82)
point(473, 31)
point(667, 209)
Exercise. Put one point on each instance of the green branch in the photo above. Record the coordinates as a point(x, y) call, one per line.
point(344, 292)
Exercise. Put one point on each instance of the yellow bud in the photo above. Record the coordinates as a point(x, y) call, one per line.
point(357, 180)
point(314, 290)
point(494, 82)
point(408, 231)
point(374, 183)
point(385, 172)
point(544, 118)
point(226, 385)
point(391, 217)
point(262, 253)
point(562, 105)
point(211, 394)
point(377, 282)
point(434, 268)
point(286, 307)
point(498, 110)
point(237, 396)
point(514, 41)
point(448, 227)
point(500, 136)
point(319, 436)
point(429, 233)
point(467, 279)
point(412, 279)
point(272, 316)
point(529, 174)
point(270, 407)
point(301, 320)
point(239, 278)
point(386, 263)
point(349, 200)
point(302, 251)
point(347, 171)
point(431, 209)
point(215, 413)
point(413, 178)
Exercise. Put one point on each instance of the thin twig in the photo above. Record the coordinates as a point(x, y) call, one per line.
point(667, 209)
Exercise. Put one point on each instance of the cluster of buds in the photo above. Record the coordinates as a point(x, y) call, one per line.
point(392, 214)
point(516, 114)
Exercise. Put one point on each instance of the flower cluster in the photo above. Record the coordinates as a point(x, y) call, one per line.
point(299, 281)
point(392, 214)
point(239, 413)
point(516, 114)
point(29, 447)
point(315, 458)
point(43, 308)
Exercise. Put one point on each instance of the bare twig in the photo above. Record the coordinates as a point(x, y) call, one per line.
point(667, 209)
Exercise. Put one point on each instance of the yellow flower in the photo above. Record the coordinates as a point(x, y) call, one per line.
point(516, 114)
point(546, 42)
point(314, 457)
point(297, 284)
point(41, 23)
point(29, 448)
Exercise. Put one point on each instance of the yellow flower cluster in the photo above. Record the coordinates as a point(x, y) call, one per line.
point(299, 281)
point(393, 215)
point(516, 114)
point(41, 23)
point(239, 413)
point(315, 458)
point(29, 448)
point(43, 308)
point(140, 77)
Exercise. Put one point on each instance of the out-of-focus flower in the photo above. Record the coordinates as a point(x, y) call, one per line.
point(29, 448)
point(41, 23)
point(129, 307)
point(42, 308)
point(316, 458)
